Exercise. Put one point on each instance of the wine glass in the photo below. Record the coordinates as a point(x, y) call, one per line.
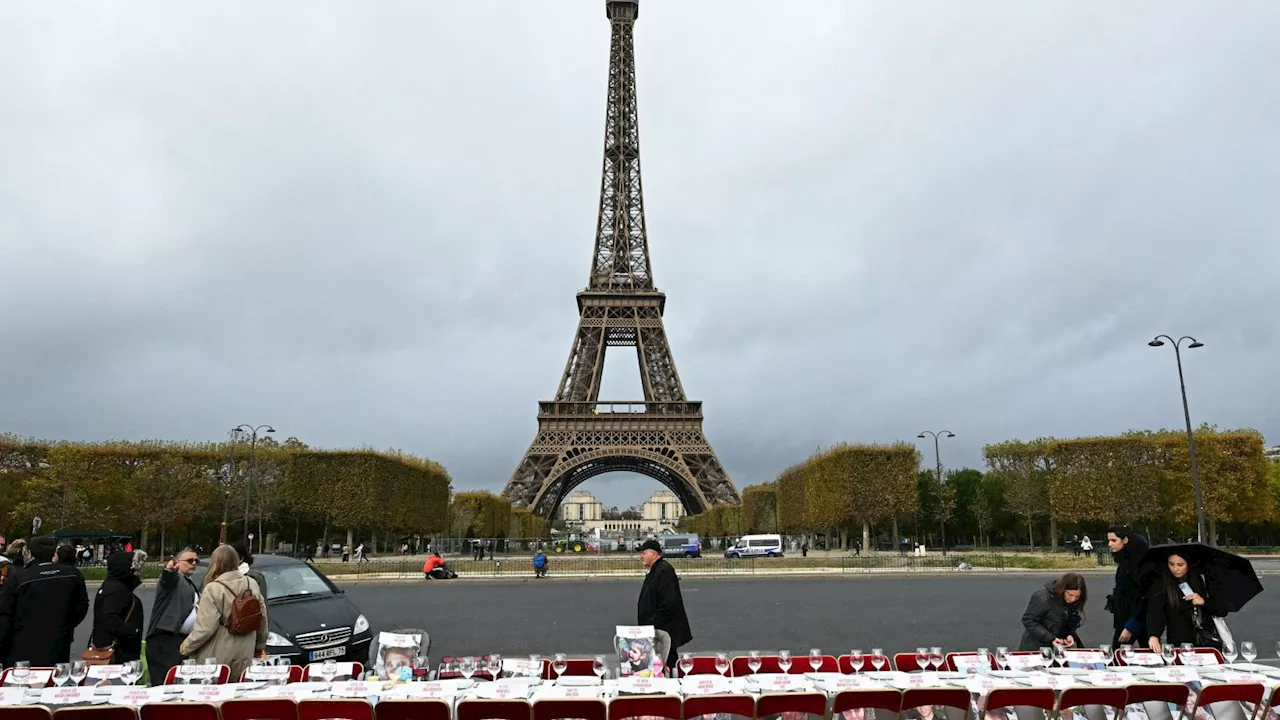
point(1230, 652)
point(686, 664)
point(61, 674)
point(1248, 651)
point(722, 664)
point(877, 658)
point(753, 661)
point(467, 666)
point(856, 660)
point(21, 672)
point(79, 669)
point(284, 663)
point(132, 672)
point(922, 658)
point(535, 666)
point(1046, 656)
point(935, 658)
point(1002, 657)
point(209, 671)
point(495, 666)
point(328, 671)
point(560, 664)
point(1107, 653)
point(1059, 655)
point(983, 658)
point(1169, 653)
point(599, 667)
point(815, 659)
point(784, 660)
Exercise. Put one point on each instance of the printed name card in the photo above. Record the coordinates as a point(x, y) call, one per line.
point(1176, 674)
point(269, 673)
point(969, 663)
point(986, 683)
point(34, 678)
point(1197, 659)
point(502, 690)
point(848, 682)
point(136, 696)
point(386, 639)
point(521, 667)
point(777, 682)
point(297, 691)
point(12, 695)
point(424, 690)
point(1084, 656)
point(105, 672)
point(1028, 662)
point(66, 695)
point(562, 692)
point(1112, 679)
point(1144, 659)
point(648, 686)
point(355, 689)
point(1042, 679)
point(634, 631)
point(705, 685)
point(208, 693)
point(1233, 676)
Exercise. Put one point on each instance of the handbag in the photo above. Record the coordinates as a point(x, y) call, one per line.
point(1206, 631)
point(106, 655)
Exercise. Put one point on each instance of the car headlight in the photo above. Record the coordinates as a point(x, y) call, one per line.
point(362, 625)
point(275, 639)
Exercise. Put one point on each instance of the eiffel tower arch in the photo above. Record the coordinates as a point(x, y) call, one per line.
point(660, 436)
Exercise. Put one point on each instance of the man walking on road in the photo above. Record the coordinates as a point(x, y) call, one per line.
point(661, 604)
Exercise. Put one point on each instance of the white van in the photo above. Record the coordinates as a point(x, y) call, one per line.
point(755, 546)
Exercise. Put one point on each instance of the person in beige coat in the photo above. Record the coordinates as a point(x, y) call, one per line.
point(210, 637)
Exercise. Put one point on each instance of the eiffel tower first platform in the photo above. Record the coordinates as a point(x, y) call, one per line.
point(579, 436)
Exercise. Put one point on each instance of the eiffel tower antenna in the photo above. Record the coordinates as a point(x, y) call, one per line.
point(579, 436)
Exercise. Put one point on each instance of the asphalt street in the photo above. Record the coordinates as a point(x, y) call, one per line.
point(835, 614)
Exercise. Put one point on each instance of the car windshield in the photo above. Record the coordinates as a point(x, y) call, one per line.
point(293, 581)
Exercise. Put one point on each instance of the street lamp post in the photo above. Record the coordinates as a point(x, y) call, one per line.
point(1186, 414)
point(937, 455)
point(253, 469)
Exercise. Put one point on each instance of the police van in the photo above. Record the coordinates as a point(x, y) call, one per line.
point(756, 546)
point(685, 545)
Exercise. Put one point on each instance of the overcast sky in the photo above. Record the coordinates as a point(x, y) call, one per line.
point(364, 223)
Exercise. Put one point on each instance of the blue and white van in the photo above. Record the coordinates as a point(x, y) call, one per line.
point(684, 545)
point(756, 546)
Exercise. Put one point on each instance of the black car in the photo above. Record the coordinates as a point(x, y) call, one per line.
point(311, 619)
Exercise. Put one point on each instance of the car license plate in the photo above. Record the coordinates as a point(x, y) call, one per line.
point(335, 652)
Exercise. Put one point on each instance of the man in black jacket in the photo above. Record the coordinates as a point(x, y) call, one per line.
point(661, 604)
point(40, 608)
point(173, 615)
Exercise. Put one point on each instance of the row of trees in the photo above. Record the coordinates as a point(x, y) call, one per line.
point(191, 488)
point(1030, 493)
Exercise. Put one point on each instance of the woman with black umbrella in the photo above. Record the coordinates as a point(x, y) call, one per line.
point(1183, 604)
point(1127, 603)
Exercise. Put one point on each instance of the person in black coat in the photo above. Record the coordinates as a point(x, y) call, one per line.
point(1175, 614)
point(40, 608)
point(661, 604)
point(1054, 614)
point(1128, 602)
point(117, 612)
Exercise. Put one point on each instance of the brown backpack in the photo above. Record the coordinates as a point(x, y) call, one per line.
point(246, 611)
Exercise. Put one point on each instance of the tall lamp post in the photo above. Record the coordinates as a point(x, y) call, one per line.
point(1186, 414)
point(253, 468)
point(942, 516)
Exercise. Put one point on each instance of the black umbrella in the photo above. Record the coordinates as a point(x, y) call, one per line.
point(1237, 583)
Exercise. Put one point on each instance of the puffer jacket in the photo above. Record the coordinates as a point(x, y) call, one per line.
point(1046, 619)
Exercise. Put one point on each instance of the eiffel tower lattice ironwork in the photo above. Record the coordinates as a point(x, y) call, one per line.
point(580, 437)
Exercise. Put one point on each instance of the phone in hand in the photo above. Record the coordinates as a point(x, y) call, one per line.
point(1186, 590)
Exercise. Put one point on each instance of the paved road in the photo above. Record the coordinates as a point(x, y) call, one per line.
point(835, 614)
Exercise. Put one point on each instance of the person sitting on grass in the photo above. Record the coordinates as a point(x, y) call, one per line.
point(540, 564)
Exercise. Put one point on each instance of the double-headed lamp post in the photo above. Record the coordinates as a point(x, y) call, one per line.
point(253, 467)
point(937, 455)
point(1186, 414)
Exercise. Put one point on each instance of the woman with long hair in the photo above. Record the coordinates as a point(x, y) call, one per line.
point(1127, 603)
point(212, 638)
point(1055, 613)
point(1182, 606)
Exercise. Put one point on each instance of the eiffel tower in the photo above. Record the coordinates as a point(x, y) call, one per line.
point(580, 437)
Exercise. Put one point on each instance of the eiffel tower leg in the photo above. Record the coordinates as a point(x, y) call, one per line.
point(582, 373)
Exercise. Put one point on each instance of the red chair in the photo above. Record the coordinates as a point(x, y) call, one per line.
point(703, 665)
point(890, 700)
point(1229, 692)
point(574, 667)
point(100, 712)
point(1175, 693)
point(25, 712)
point(426, 709)
point(778, 703)
point(1117, 698)
point(957, 698)
point(951, 659)
point(265, 709)
point(295, 674)
point(33, 679)
point(1042, 698)
point(224, 674)
point(347, 709)
point(1214, 654)
point(663, 706)
point(493, 710)
point(906, 662)
point(846, 664)
point(346, 671)
point(741, 705)
point(568, 709)
point(178, 711)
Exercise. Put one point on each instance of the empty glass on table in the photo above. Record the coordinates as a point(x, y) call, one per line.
point(1107, 654)
point(723, 664)
point(21, 672)
point(495, 666)
point(877, 658)
point(132, 672)
point(467, 666)
point(560, 664)
point(535, 666)
point(815, 659)
point(1248, 651)
point(753, 661)
point(1169, 654)
point(599, 667)
point(784, 660)
point(856, 660)
point(1002, 657)
point(61, 674)
point(936, 658)
point(686, 664)
point(1230, 652)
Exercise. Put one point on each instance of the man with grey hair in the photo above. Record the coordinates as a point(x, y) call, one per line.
point(173, 615)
